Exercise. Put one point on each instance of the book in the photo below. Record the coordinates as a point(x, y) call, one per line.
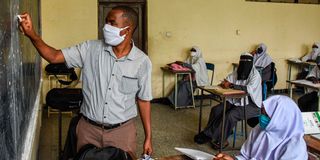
point(311, 122)
point(223, 91)
point(195, 154)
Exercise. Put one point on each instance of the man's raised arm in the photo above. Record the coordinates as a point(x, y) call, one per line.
point(49, 53)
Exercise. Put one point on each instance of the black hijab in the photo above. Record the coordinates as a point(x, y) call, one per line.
point(245, 66)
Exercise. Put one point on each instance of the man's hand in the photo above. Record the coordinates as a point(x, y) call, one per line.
point(147, 147)
point(26, 25)
point(223, 156)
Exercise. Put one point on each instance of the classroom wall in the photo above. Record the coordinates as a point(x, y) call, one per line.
point(223, 29)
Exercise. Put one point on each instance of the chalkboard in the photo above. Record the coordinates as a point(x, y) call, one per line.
point(19, 77)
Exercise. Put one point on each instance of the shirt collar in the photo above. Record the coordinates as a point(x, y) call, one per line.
point(131, 56)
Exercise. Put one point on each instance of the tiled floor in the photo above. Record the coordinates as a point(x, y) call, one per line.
point(170, 128)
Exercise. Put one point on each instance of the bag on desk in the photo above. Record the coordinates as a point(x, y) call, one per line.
point(64, 99)
point(61, 69)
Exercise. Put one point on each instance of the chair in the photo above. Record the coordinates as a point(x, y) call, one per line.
point(210, 68)
point(269, 83)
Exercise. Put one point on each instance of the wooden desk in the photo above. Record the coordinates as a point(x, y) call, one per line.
point(176, 74)
point(307, 84)
point(313, 144)
point(176, 157)
point(224, 94)
point(299, 63)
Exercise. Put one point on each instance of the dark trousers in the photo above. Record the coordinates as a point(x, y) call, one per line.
point(309, 102)
point(233, 115)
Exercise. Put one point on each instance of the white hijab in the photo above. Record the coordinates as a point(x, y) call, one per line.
point(313, 54)
point(282, 138)
point(253, 84)
point(199, 66)
point(262, 59)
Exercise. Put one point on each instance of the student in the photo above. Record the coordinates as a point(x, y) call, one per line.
point(116, 76)
point(309, 101)
point(313, 54)
point(278, 136)
point(196, 63)
point(245, 78)
point(311, 57)
point(262, 60)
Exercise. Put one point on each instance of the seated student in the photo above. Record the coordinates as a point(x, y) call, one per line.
point(198, 65)
point(245, 78)
point(313, 54)
point(263, 60)
point(310, 57)
point(272, 139)
point(309, 101)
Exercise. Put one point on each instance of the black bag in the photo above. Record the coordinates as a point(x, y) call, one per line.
point(64, 99)
point(61, 69)
point(91, 152)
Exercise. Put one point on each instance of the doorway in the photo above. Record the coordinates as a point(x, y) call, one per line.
point(140, 34)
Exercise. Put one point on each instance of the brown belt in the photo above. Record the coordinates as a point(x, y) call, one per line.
point(111, 126)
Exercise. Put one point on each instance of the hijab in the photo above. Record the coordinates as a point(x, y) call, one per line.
point(313, 54)
point(199, 66)
point(245, 66)
point(252, 82)
point(283, 136)
point(262, 59)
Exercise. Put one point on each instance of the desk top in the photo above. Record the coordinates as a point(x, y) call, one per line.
point(313, 144)
point(298, 61)
point(305, 83)
point(167, 69)
point(176, 157)
point(222, 91)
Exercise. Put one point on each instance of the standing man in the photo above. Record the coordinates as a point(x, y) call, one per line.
point(116, 76)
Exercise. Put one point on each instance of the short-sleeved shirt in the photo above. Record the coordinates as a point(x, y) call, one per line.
point(110, 85)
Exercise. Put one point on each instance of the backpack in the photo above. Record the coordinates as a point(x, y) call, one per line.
point(91, 152)
point(61, 69)
point(64, 99)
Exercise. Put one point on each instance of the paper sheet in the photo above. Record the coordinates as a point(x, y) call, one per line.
point(311, 122)
point(195, 154)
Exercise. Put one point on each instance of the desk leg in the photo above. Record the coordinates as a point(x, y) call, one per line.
point(289, 73)
point(191, 85)
point(245, 118)
point(200, 111)
point(223, 123)
point(176, 91)
point(318, 100)
point(290, 89)
point(163, 84)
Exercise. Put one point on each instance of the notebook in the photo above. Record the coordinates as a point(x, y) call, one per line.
point(311, 122)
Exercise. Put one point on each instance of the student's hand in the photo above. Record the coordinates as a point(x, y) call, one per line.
point(223, 156)
point(315, 81)
point(26, 25)
point(253, 52)
point(225, 84)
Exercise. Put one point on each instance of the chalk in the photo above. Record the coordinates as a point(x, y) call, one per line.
point(19, 17)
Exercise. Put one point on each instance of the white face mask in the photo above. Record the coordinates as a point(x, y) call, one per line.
point(315, 49)
point(192, 54)
point(112, 36)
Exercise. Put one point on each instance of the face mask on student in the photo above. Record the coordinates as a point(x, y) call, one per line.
point(259, 50)
point(315, 49)
point(192, 53)
point(264, 121)
point(112, 36)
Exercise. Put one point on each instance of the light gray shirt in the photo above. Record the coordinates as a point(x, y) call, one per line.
point(110, 85)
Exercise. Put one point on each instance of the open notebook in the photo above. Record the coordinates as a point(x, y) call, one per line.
point(195, 154)
point(311, 122)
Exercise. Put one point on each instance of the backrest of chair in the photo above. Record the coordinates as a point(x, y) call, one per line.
point(210, 67)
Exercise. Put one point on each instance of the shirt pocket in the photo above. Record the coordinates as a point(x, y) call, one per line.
point(129, 85)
